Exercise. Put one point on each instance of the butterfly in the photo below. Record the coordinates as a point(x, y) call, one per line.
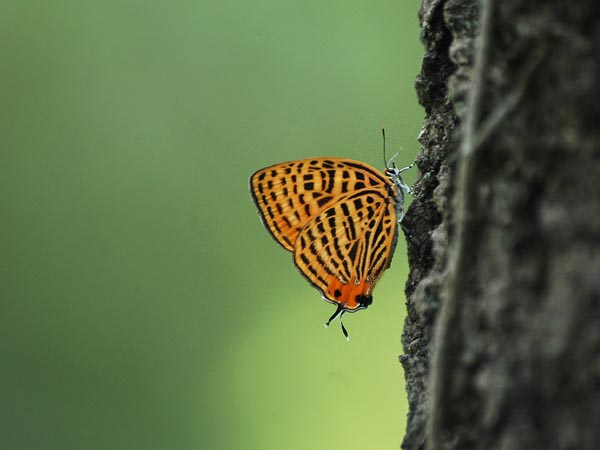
point(339, 217)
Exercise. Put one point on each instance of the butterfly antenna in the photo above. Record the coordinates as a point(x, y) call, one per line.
point(385, 163)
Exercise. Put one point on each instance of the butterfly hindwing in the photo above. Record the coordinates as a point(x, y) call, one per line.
point(289, 195)
point(345, 248)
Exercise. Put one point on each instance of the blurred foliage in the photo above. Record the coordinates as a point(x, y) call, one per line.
point(142, 304)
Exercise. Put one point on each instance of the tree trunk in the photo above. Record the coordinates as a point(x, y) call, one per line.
point(502, 337)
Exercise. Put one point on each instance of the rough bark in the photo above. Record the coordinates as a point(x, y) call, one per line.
point(502, 337)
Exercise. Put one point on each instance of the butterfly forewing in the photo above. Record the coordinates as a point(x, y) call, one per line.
point(344, 250)
point(289, 195)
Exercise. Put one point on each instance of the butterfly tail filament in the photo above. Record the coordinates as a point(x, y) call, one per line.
point(339, 312)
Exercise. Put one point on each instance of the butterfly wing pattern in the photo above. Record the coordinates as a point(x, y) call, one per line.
point(339, 217)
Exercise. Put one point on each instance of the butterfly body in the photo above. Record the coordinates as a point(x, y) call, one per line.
point(340, 219)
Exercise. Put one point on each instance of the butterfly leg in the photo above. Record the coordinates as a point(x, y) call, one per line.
point(410, 166)
point(405, 187)
point(401, 183)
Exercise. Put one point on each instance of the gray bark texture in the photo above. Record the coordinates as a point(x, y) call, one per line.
point(502, 336)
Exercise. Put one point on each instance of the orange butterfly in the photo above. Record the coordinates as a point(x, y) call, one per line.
point(339, 217)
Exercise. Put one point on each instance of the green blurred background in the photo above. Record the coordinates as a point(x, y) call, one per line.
point(143, 306)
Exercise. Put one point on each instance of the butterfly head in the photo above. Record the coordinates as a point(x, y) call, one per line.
point(395, 176)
